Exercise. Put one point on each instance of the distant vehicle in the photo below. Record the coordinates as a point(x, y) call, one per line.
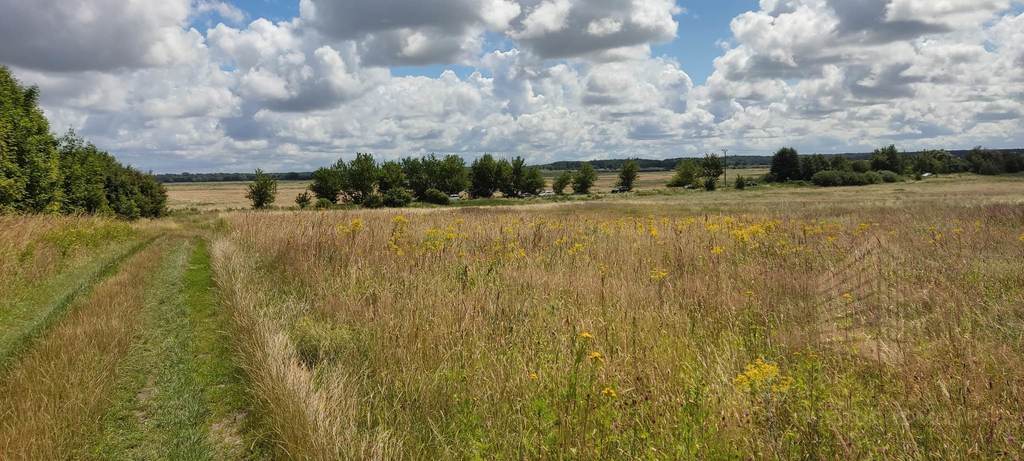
point(546, 193)
point(454, 197)
point(620, 190)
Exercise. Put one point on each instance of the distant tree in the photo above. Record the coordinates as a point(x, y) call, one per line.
point(262, 191)
point(710, 184)
point(628, 174)
point(562, 181)
point(303, 200)
point(741, 183)
point(812, 164)
point(391, 176)
point(484, 177)
point(361, 178)
point(840, 163)
point(397, 198)
point(861, 166)
point(687, 173)
point(785, 165)
point(506, 178)
point(329, 183)
point(887, 158)
point(712, 167)
point(451, 176)
point(584, 179)
point(533, 181)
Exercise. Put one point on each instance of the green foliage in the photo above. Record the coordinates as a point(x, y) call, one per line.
point(584, 179)
point(687, 174)
point(447, 175)
point(562, 181)
point(303, 200)
point(392, 176)
point(712, 167)
point(840, 163)
point(986, 162)
point(627, 177)
point(361, 178)
point(436, 197)
point(41, 174)
point(711, 183)
point(811, 165)
point(397, 198)
point(484, 177)
point(324, 204)
point(833, 178)
point(785, 165)
point(890, 176)
point(741, 183)
point(262, 191)
point(887, 158)
point(515, 179)
point(861, 166)
point(373, 200)
point(533, 182)
point(328, 183)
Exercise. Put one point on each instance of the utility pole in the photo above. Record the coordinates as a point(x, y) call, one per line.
point(725, 157)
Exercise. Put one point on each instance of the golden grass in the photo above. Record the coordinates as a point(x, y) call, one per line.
point(51, 400)
point(655, 328)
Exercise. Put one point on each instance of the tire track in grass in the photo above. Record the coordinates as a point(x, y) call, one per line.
point(181, 397)
point(53, 396)
point(33, 314)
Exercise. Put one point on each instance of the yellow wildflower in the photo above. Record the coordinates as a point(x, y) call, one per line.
point(761, 376)
point(658, 274)
point(586, 335)
point(609, 392)
point(1021, 238)
point(718, 250)
point(848, 297)
point(534, 376)
point(356, 225)
point(596, 357)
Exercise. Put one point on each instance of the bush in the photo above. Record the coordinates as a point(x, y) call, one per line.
point(397, 198)
point(324, 204)
point(710, 184)
point(833, 178)
point(741, 183)
point(561, 182)
point(687, 174)
point(861, 166)
point(435, 196)
point(373, 200)
point(262, 191)
point(890, 176)
point(303, 200)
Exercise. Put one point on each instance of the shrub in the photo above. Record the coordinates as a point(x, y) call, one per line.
point(584, 179)
point(741, 183)
point(373, 200)
point(833, 178)
point(397, 198)
point(561, 182)
point(710, 183)
point(687, 174)
point(436, 197)
point(861, 166)
point(303, 200)
point(890, 176)
point(627, 177)
point(324, 204)
point(262, 191)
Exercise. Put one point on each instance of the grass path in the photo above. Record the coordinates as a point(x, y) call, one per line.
point(55, 393)
point(180, 397)
point(30, 315)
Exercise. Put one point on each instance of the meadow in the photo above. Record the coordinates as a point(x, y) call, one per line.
point(880, 322)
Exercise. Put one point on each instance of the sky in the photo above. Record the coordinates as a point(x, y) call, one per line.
point(291, 85)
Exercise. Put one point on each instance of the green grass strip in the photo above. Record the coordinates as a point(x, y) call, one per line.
point(33, 314)
point(182, 396)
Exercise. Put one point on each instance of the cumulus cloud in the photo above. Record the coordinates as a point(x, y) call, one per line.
point(568, 78)
point(60, 35)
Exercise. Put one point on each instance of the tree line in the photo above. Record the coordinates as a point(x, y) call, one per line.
point(431, 179)
point(40, 173)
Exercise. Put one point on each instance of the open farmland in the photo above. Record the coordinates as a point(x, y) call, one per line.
point(878, 322)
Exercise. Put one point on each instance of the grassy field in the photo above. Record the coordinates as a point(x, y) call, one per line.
point(881, 322)
point(231, 195)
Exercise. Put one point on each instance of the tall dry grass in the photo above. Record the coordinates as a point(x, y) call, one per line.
point(52, 398)
point(607, 332)
point(33, 248)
